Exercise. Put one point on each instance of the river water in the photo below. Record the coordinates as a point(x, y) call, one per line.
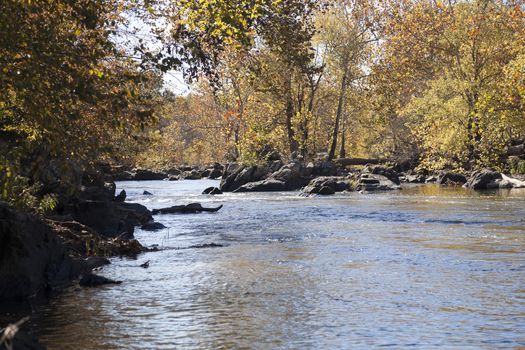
point(426, 267)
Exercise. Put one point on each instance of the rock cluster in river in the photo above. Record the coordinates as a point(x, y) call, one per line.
point(182, 172)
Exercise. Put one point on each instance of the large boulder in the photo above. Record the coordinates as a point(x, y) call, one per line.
point(327, 185)
point(148, 175)
point(32, 258)
point(389, 173)
point(193, 174)
point(214, 171)
point(291, 175)
point(267, 185)
point(110, 219)
point(451, 178)
point(490, 179)
point(484, 179)
point(241, 176)
point(375, 182)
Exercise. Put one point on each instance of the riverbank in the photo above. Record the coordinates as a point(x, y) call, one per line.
point(42, 255)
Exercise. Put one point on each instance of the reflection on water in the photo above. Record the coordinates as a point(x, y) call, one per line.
point(425, 267)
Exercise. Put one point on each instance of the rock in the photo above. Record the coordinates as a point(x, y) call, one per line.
point(148, 175)
point(389, 173)
point(174, 172)
point(121, 196)
point(124, 176)
point(173, 178)
point(32, 258)
point(81, 240)
point(375, 182)
point(94, 262)
point(215, 174)
point(147, 193)
point(490, 179)
point(241, 176)
point(450, 178)
point(193, 174)
point(484, 179)
point(415, 179)
point(268, 185)
point(291, 175)
point(110, 219)
point(92, 280)
point(335, 184)
point(212, 191)
point(325, 190)
point(516, 150)
point(431, 179)
point(152, 226)
point(185, 209)
point(205, 173)
point(508, 182)
point(275, 165)
point(206, 245)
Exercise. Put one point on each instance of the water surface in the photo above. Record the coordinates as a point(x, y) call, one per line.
point(424, 268)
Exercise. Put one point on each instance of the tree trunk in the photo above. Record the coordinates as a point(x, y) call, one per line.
point(342, 150)
point(289, 117)
point(340, 104)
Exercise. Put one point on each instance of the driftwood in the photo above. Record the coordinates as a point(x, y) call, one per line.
point(185, 209)
point(359, 161)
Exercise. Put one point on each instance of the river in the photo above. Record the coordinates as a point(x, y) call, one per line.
point(426, 267)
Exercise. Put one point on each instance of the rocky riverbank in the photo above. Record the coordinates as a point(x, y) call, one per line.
point(42, 254)
point(325, 178)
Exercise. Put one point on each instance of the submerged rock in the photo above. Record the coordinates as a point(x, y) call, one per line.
point(206, 245)
point(152, 226)
point(92, 280)
point(212, 191)
point(185, 209)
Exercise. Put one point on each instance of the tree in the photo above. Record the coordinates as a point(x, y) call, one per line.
point(346, 33)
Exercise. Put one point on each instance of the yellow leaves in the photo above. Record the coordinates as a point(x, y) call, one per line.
point(96, 72)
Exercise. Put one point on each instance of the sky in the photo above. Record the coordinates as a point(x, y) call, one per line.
point(135, 30)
